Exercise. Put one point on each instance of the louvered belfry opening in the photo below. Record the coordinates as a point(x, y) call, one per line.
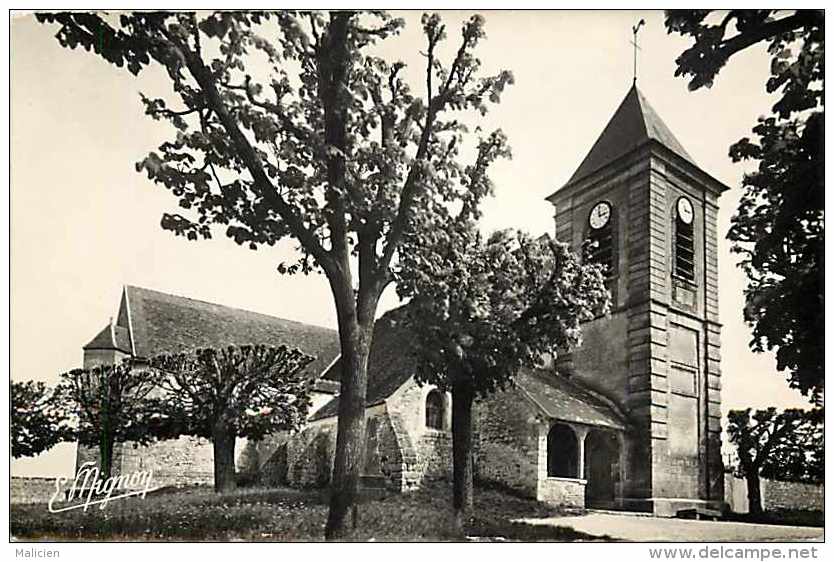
point(601, 248)
point(684, 251)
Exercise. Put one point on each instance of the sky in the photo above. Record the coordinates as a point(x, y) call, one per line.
point(84, 222)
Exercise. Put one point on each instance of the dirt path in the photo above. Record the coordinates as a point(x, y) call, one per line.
point(651, 529)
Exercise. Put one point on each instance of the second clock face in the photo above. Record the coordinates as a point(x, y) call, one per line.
point(685, 212)
point(600, 215)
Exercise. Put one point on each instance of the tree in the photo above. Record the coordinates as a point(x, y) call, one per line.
point(340, 155)
point(113, 404)
point(482, 309)
point(38, 420)
point(782, 446)
point(222, 394)
point(778, 227)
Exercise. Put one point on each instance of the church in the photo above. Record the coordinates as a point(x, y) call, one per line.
point(628, 420)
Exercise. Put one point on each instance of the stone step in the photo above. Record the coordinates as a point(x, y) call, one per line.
point(699, 512)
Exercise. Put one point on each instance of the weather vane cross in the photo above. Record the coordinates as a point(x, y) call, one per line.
point(634, 31)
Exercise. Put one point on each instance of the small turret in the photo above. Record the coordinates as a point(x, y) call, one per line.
point(110, 346)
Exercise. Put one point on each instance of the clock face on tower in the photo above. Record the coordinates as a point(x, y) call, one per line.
point(600, 215)
point(685, 213)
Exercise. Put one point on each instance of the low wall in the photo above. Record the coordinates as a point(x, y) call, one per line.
point(564, 492)
point(31, 489)
point(776, 495)
point(792, 495)
point(175, 462)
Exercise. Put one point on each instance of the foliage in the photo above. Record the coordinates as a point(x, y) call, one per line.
point(779, 232)
point(38, 420)
point(794, 38)
point(778, 227)
point(271, 167)
point(113, 398)
point(251, 390)
point(482, 309)
point(784, 445)
point(287, 125)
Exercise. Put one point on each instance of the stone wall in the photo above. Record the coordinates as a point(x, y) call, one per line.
point(435, 455)
point(175, 462)
point(308, 456)
point(305, 459)
point(272, 459)
point(427, 452)
point(776, 495)
point(792, 495)
point(565, 492)
point(508, 444)
point(31, 489)
point(399, 448)
point(401, 462)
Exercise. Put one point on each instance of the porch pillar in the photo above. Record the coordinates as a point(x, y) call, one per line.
point(619, 484)
point(581, 433)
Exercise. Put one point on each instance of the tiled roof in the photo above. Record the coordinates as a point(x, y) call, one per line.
point(633, 124)
point(391, 363)
point(163, 323)
point(561, 399)
point(111, 337)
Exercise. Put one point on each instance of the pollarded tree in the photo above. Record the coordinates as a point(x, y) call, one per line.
point(113, 404)
point(222, 394)
point(778, 227)
point(288, 125)
point(39, 421)
point(784, 445)
point(483, 309)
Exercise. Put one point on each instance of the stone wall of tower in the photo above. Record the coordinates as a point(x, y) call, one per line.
point(617, 352)
point(692, 341)
point(602, 361)
point(658, 353)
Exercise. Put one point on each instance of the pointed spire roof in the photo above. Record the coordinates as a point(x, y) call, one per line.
point(633, 124)
point(111, 337)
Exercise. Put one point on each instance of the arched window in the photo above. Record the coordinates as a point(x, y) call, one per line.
point(562, 452)
point(434, 410)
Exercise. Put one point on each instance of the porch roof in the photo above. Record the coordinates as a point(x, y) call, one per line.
point(559, 398)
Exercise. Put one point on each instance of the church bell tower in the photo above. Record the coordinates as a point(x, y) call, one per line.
point(651, 213)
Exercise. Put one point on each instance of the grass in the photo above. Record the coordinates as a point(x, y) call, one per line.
point(198, 514)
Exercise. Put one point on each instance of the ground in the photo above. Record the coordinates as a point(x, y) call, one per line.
point(653, 529)
point(286, 515)
point(196, 514)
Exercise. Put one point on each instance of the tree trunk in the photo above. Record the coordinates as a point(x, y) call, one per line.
point(462, 469)
point(105, 449)
point(355, 309)
point(350, 435)
point(223, 442)
point(105, 435)
point(754, 492)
